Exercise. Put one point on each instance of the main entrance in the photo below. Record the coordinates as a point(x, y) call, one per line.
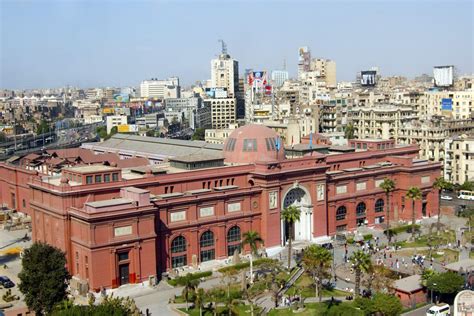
point(303, 229)
point(123, 274)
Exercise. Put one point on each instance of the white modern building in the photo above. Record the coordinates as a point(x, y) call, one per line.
point(279, 77)
point(115, 120)
point(160, 89)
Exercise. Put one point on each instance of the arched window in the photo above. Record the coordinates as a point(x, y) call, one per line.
point(341, 213)
point(178, 252)
point(360, 209)
point(207, 246)
point(379, 205)
point(233, 240)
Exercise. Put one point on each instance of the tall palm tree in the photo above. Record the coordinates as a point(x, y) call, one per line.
point(362, 264)
point(317, 261)
point(441, 185)
point(414, 193)
point(290, 215)
point(200, 299)
point(190, 285)
point(388, 185)
point(252, 238)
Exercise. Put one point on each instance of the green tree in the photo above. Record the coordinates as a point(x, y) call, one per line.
point(414, 193)
point(252, 238)
point(190, 285)
point(317, 261)
point(43, 127)
point(426, 275)
point(199, 134)
point(380, 304)
point(349, 131)
point(379, 278)
point(388, 186)
point(200, 299)
point(101, 131)
point(110, 305)
point(440, 184)
point(43, 278)
point(361, 263)
point(290, 215)
point(445, 283)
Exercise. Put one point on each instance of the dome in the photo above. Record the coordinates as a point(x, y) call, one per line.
point(252, 143)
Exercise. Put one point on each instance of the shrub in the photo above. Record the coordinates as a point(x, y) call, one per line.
point(367, 237)
point(244, 265)
point(350, 240)
point(180, 280)
point(403, 228)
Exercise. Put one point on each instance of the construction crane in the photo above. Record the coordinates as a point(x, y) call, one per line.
point(224, 47)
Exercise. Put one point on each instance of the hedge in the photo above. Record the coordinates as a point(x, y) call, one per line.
point(244, 265)
point(368, 237)
point(181, 279)
point(401, 229)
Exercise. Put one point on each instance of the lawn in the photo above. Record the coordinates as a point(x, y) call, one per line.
point(221, 310)
point(318, 309)
point(306, 285)
point(444, 238)
point(448, 256)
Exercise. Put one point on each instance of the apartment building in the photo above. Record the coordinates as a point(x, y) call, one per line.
point(160, 89)
point(456, 105)
point(459, 159)
point(223, 111)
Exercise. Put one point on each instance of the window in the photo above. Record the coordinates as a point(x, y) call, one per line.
point(250, 144)
point(178, 261)
point(207, 255)
point(24, 202)
point(88, 179)
point(233, 240)
point(379, 219)
point(341, 213)
point(360, 209)
point(114, 176)
point(178, 244)
point(122, 256)
point(98, 178)
point(207, 239)
point(341, 228)
point(379, 204)
point(106, 177)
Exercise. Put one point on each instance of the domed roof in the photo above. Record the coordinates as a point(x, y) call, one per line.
point(252, 143)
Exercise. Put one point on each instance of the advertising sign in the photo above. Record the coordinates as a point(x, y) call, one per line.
point(443, 76)
point(447, 104)
point(121, 97)
point(367, 78)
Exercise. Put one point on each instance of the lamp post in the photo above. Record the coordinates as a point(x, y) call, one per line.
point(434, 284)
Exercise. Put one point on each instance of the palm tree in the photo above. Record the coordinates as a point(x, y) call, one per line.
point(388, 185)
point(441, 185)
point(290, 215)
point(361, 263)
point(317, 261)
point(414, 193)
point(252, 238)
point(190, 285)
point(200, 299)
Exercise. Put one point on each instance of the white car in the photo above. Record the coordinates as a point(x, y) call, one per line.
point(446, 197)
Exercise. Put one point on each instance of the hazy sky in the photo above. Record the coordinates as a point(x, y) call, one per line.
point(118, 43)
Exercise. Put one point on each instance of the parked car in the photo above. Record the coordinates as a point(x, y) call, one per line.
point(6, 282)
point(446, 197)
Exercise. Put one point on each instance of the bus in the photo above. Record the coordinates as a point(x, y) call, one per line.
point(466, 195)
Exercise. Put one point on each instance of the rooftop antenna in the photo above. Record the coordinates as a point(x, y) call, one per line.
point(224, 47)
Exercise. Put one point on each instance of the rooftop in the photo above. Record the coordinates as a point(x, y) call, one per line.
point(409, 284)
point(91, 169)
point(105, 203)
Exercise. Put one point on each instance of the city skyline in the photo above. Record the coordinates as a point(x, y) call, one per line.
point(89, 44)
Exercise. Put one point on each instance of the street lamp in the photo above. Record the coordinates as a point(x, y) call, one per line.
point(434, 284)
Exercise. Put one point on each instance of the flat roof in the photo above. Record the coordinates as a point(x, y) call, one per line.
point(196, 157)
point(136, 190)
point(466, 264)
point(91, 169)
point(105, 203)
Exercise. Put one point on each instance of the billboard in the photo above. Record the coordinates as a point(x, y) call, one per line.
point(216, 92)
point(304, 59)
point(121, 97)
point(443, 76)
point(367, 78)
point(108, 110)
point(446, 104)
point(125, 128)
point(257, 79)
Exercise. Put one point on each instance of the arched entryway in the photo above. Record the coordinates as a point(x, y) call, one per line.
point(303, 229)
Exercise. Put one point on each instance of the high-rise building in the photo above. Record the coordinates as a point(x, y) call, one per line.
point(223, 111)
point(225, 74)
point(279, 77)
point(326, 69)
point(160, 89)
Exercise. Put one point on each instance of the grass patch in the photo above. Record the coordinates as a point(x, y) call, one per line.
point(402, 229)
point(320, 309)
point(181, 279)
point(444, 238)
point(221, 310)
point(305, 286)
point(245, 265)
point(471, 254)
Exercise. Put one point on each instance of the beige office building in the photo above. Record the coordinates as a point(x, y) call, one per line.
point(459, 160)
point(223, 112)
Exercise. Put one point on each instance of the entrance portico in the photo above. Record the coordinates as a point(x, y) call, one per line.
point(298, 196)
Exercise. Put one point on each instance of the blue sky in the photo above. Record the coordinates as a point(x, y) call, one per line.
point(118, 43)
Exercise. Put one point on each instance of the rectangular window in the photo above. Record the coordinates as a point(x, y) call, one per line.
point(98, 178)
point(207, 255)
point(341, 228)
point(232, 248)
point(122, 256)
point(425, 179)
point(378, 182)
point(114, 176)
point(178, 261)
point(233, 207)
point(107, 177)
point(88, 179)
point(341, 189)
point(361, 186)
point(178, 216)
point(206, 211)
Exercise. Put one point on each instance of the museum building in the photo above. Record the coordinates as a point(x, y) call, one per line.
point(121, 226)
